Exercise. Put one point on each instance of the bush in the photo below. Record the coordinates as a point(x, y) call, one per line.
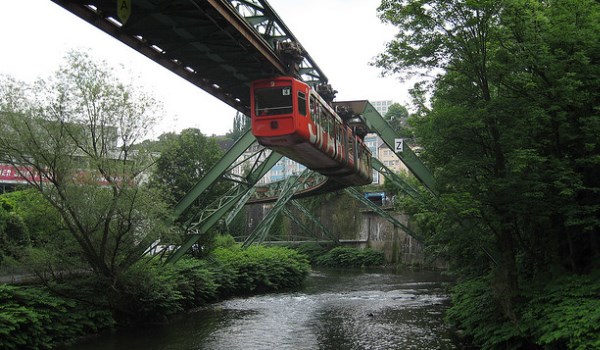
point(14, 236)
point(262, 269)
point(476, 313)
point(350, 257)
point(31, 318)
point(312, 251)
point(565, 313)
point(560, 313)
point(196, 282)
point(224, 241)
point(149, 291)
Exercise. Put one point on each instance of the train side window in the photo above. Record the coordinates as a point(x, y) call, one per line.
point(301, 103)
point(313, 107)
point(317, 115)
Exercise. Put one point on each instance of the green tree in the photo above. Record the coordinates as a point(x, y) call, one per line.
point(14, 236)
point(397, 116)
point(41, 218)
point(511, 130)
point(184, 159)
point(241, 124)
point(72, 136)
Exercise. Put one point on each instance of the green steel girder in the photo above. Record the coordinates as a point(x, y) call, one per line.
point(296, 221)
point(394, 178)
point(375, 122)
point(288, 190)
point(215, 172)
point(238, 206)
point(312, 218)
point(359, 197)
point(222, 206)
point(212, 217)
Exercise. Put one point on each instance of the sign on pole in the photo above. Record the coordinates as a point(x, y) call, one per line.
point(399, 145)
point(123, 10)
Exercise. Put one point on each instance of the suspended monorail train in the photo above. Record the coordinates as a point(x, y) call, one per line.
point(291, 118)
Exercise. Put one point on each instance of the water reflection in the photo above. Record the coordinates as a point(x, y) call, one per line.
point(336, 310)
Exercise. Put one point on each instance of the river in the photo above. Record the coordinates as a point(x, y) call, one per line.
point(336, 310)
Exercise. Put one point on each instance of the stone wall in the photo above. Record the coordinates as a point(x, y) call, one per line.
point(354, 226)
point(397, 245)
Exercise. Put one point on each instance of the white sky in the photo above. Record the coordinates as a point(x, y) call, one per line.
point(342, 36)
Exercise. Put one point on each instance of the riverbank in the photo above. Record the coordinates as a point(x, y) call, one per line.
point(32, 317)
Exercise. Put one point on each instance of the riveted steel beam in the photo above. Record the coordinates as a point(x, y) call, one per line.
point(215, 172)
point(315, 221)
point(291, 185)
point(375, 122)
point(211, 215)
point(359, 197)
point(394, 178)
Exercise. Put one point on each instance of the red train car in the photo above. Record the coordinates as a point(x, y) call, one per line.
point(291, 118)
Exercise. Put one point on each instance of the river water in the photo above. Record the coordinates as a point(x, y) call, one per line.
point(336, 310)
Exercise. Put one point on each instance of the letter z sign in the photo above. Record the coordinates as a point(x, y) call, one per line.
point(398, 145)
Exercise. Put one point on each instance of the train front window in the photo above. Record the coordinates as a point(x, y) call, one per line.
point(273, 101)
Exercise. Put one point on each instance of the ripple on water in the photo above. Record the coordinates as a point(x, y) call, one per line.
point(337, 310)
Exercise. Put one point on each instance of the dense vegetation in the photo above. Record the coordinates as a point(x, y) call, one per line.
point(342, 256)
point(34, 318)
point(98, 200)
point(510, 126)
point(73, 137)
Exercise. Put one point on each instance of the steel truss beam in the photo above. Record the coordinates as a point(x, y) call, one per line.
point(314, 220)
point(233, 200)
point(375, 122)
point(218, 170)
point(291, 185)
point(395, 179)
point(359, 197)
point(261, 16)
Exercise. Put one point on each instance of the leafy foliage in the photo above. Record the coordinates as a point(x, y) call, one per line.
point(241, 124)
point(510, 126)
point(350, 257)
point(184, 159)
point(260, 269)
point(72, 137)
point(42, 220)
point(14, 235)
point(31, 318)
point(397, 117)
point(312, 250)
point(564, 313)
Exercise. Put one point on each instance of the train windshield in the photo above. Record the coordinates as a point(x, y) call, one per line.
point(273, 101)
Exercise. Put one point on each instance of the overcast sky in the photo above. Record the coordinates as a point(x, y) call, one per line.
point(342, 36)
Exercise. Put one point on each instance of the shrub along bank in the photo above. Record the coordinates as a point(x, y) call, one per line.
point(34, 318)
point(557, 313)
point(342, 256)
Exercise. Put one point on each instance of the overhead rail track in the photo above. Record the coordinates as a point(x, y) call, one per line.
point(217, 45)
